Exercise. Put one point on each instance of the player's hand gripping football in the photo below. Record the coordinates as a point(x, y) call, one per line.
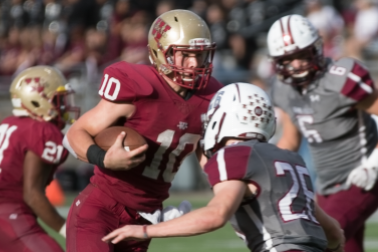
point(117, 158)
point(365, 175)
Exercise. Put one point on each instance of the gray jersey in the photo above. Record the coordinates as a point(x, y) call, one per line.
point(339, 135)
point(281, 216)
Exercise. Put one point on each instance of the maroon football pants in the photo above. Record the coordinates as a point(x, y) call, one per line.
point(20, 231)
point(351, 208)
point(93, 215)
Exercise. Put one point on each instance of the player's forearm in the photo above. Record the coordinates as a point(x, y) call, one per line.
point(194, 223)
point(41, 206)
point(79, 141)
point(286, 144)
point(330, 226)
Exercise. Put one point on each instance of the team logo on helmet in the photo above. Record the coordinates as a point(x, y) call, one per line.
point(258, 111)
point(35, 84)
point(160, 28)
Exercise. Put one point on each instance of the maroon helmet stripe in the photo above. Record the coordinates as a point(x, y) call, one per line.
point(238, 90)
point(283, 33)
point(286, 35)
point(220, 127)
point(289, 31)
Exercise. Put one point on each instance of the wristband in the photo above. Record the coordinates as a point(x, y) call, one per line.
point(145, 235)
point(96, 155)
point(334, 249)
point(62, 230)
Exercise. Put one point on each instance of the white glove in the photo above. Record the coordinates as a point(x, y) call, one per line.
point(62, 230)
point(171, 212)
point(154, 217)
point(365, 175)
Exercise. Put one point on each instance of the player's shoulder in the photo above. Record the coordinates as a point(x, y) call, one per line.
point(348, 76)
point(229, 163)
point(211, 88)
point(46, 130)
point(345, 68)
point(230, 154)
point(123, 81)
point(26, 128)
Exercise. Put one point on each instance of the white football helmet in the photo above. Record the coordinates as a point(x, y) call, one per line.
point(238, 110)
point(288, 37)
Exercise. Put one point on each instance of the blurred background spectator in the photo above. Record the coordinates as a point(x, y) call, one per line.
point(82, 37)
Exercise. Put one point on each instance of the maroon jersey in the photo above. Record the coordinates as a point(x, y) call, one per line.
point(17, 136)
point(170, 124)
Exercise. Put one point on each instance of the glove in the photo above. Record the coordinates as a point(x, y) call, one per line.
point(168, 213)
point(154, 217)
point(171, 212)
point(365, 175)
point(62, 230)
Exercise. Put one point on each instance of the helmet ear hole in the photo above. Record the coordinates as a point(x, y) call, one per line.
point(35, 104)
point(215, 123)
point(176, 19)
point(155, 53)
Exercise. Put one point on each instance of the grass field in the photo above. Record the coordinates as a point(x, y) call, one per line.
point(221, 240)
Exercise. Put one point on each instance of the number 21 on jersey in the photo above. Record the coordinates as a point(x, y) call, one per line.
point(52, 151)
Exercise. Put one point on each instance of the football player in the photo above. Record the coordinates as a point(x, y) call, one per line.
point(163, 102)
point(328, 102)
point(30, 151)
point(264, 191)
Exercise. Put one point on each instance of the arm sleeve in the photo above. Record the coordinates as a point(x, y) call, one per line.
point(122, 82)
point(229, 163)
point(46, 142)
point(351, 79)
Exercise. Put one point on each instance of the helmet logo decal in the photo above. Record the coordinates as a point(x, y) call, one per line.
point(160, 28)
point(199, 42)
point(258, 111)
point(36, 84)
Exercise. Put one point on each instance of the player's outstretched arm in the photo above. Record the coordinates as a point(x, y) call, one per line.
point(332, 229)
point(291, 137)
point(36, 175)
point(228, 196)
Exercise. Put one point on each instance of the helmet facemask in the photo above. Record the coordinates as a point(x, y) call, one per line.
point(63, 107)
point(190, 78)
point(41, 93)
point(298, 76)
point(182, 32)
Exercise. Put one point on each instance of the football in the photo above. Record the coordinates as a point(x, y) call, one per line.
point(107, 137)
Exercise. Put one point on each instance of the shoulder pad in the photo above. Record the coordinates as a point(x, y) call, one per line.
point(212, 87)
point(350, 78)
point(124, 82)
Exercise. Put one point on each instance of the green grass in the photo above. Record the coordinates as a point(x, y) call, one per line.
point(221, 240)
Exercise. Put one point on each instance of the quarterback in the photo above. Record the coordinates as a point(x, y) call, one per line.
point(162, 102)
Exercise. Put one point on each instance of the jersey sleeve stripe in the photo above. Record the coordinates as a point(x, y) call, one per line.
point(358, 84)
point(363, 85)
point(221, 165)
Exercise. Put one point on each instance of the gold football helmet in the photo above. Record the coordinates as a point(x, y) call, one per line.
point(42, 93)
point(181, 30)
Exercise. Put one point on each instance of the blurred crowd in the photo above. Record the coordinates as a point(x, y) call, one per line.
point(96, 33)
